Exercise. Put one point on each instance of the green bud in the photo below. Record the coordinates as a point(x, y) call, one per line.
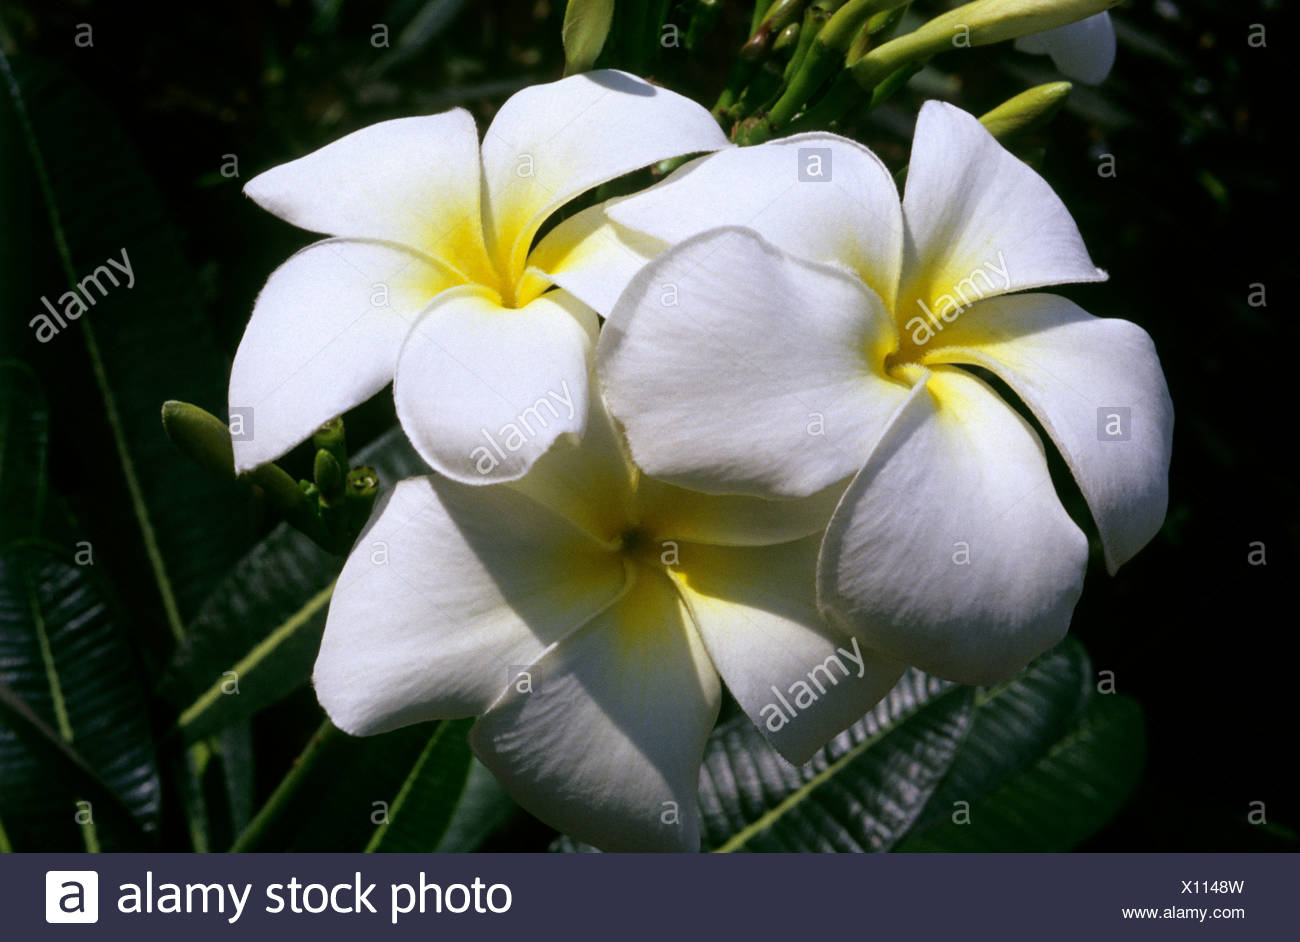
point(822, 9)
point(787, 38)
point(359, 495)
point(329, 476)
point(1025, 111)
point(781, 14)
point(823, 60)
point(204, 438)
point(201, 437)
point(973, 24)
point(330, 436)
point(586, 27)
point(877, 30)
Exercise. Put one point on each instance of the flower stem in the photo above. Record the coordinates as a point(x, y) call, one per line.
point(321, 744)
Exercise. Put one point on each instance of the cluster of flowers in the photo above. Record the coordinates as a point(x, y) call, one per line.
point(724, 430)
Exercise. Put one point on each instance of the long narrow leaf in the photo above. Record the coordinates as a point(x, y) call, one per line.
point(69, 671)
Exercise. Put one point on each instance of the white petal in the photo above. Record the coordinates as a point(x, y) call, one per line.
point(550, 143)
point(410, 180)
point(979, 221)
point(594, 483)
point(324, 337)
point(736, 368)
point(817, 196)
point(1084, 377)
point(732, 519)
point(448, 589)
point(591, 482)
point(950, 550)
point(482, 391)
point(1084, 51)
point(607, 745)
point(800, 680)
point(593, 258)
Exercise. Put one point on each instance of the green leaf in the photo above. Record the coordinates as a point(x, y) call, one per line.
point(255, 639)
point(137, 344)
point(1070, 780)
point(423, 809)
point(75, 727)
point(414, 790)
point(860, 793)
point(337, 792)
point(1041, 762)
point(483, 810)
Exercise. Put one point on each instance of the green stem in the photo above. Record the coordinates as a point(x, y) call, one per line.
point(814, 19)
point(321, 743)
point(825, 57)
point(192, 766)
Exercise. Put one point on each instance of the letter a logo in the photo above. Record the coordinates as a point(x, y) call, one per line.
point(71, 896)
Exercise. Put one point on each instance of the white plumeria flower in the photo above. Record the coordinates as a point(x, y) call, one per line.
point(1084, 51)
point(587, 612)
point(431, 273)
point(834, 346)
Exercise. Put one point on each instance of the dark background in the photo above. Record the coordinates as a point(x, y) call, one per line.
point(1191, 219)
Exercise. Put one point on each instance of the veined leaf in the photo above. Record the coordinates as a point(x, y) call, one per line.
point(1037, 764)
point(1040, 763)
point(255, 639)
point(1079, 779)
point(860, 793)
point(72, 681)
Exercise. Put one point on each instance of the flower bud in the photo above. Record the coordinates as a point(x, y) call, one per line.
point(1032, 107)
point(359, 496)
point(328, 476)
point(205, 440)
point(331, 437)
point(586, 27)
point(973, 24)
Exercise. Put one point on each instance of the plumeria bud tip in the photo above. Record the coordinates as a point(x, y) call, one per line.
point(973, 24)
point(200, 435)
point(586, 27)
point(1030, 108)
